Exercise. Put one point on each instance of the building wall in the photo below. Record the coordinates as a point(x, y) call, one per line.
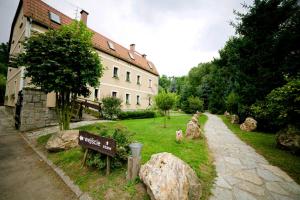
point(19, 33)
point(108, 84)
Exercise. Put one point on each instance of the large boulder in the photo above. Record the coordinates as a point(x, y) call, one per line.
point(63, 140)
point(234, 119)
point(168, 177)
point(289, 138)
point(249, 124)
point(193, 129)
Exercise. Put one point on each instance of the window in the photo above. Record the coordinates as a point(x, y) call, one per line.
point(128, 76)
point(127, 99)
point(96, 94)
point(150, 65)
point(54, 17)
point(149, 101)
point(115, 72)
point(21, 25)
point(131, 56)
point(138, 79)
point(138, 100)
point(114, 94)
point(111, 45)
point(150, 83)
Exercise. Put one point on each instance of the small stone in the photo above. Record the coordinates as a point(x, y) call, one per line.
point(63, 140)
point(222, 183)
point(219, 193)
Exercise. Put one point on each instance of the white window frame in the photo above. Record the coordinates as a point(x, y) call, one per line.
point(114, 92)
point(138, 81)
point(150, 83)
point(128, 76)
point(138, 99)
point(113, 72)
point(129, 98)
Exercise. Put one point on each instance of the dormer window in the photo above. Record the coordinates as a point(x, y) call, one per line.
point(131, 56)
point(150, 65)
point(111, 45)
point(54, 17)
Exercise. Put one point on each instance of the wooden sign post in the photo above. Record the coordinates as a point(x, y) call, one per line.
point(97, 143)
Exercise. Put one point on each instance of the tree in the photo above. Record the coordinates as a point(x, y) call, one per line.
point(3, 69)
point(165, 101)
point(111, 107)
point(62, 61)
point(195, 104)
point(164, 83)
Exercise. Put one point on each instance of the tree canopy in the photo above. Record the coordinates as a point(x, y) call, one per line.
point(62, 61)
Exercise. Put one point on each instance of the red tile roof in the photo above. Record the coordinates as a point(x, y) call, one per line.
point(39, 12)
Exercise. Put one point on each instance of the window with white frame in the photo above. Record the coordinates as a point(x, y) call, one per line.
point(128, 76)
point(138, 79)
point(127, 100)
point(114, 94)
point(138, 100)
point(150, 83)
point(116, 72)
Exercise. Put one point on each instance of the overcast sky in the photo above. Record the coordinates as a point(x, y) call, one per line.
point(176, 35)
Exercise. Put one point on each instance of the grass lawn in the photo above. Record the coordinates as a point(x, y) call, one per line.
point(155, 139)
point(265, 144)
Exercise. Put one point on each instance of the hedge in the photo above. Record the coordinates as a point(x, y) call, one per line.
point(136, 114)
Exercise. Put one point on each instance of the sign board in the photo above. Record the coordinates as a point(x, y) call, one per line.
point(103, 145)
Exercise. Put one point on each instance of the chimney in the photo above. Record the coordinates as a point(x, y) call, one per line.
point(84, 16)
point(132, 47)
point(144, 56)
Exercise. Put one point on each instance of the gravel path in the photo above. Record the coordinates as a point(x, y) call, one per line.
point(241, 172)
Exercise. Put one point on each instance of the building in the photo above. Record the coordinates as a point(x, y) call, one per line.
point(127, 74)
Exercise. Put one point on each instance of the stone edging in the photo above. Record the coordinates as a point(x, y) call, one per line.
point(81, 195)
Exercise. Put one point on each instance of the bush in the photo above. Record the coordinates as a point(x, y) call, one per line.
point(280, 108)
point(232, 102)
point(111, 107)
point(137, 114)
point(195, 104)
point(122, 137)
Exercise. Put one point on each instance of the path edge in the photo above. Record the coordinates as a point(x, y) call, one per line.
point(66, 179)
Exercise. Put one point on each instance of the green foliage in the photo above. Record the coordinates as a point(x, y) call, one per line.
point(232, 102)
point(260, 58)
point(281, 107)
point(111, 107)
point(4, 55)
point(123, 138)
point(140, 114)
point(62, 61)
point(194, 104)
point(165, 101)
point(164, 83)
